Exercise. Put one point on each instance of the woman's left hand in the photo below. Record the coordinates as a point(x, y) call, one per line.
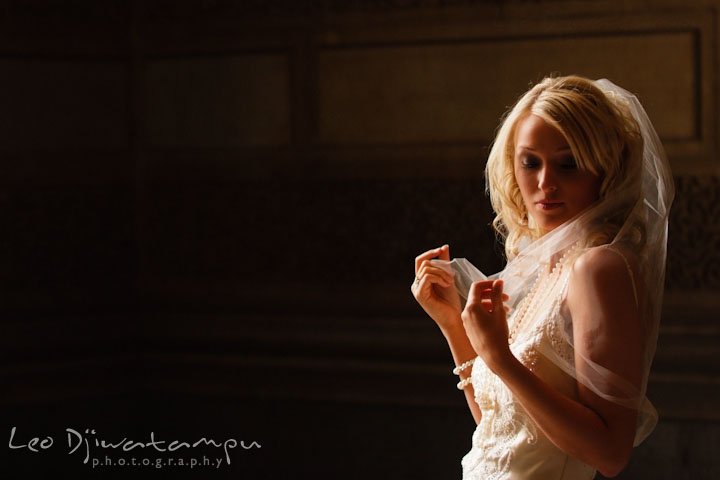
point(485, 321)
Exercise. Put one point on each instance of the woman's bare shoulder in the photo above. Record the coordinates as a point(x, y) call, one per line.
point(607, 272)
point(605, 260)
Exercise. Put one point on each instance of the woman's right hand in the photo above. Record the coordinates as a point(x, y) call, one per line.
point(434, 289)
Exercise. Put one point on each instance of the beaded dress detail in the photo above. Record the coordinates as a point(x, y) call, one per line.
point(506, 443)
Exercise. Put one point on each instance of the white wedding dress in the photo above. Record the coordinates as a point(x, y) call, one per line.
point(506, 444)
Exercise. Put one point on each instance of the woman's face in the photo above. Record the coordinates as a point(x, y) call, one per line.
point(553, 188)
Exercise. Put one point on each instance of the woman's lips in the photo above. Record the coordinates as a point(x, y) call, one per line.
point(545, 205)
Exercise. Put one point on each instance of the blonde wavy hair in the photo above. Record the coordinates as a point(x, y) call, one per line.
point(604, 139)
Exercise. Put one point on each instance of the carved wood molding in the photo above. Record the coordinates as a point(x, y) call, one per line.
point(158, 9)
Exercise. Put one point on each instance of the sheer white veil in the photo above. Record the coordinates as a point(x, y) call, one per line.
point(647, 218)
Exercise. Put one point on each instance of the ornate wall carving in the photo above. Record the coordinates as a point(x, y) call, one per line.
point(694, 234)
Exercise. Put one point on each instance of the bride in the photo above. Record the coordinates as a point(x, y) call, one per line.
point(553, 353)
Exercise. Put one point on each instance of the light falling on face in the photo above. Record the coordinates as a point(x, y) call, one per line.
point(553, 188)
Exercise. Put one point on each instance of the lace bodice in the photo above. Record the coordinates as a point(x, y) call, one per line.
point(506, 443)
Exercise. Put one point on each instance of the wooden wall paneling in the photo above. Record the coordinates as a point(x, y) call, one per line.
point(52, 357)
point(268, 101)
point(327, 79)
point(64, 28)
point(684, 382)
point(218, 101)
point(666, 59)
point(365, 357)
point(66, 202)
point(63, 103)
point(67, 246)
point(457, 93)
point(70, 167)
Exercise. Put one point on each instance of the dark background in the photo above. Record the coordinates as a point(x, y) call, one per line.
point(210, 212)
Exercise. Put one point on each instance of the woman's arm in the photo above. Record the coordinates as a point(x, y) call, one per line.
point(607, 330)
point(435, 291)
point(462, 351)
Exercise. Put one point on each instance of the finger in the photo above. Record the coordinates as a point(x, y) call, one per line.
point(444, 252)
point(475, 294)
point(438, 279)
point(476, 306)
point(483, 284)
point(426, 256)
point(472, 293)
point(488, 293)
point(497, 295)
point(427, 281)
point(484, 289)
point(429, 268)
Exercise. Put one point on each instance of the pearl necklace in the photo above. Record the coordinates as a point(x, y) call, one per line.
point(532, 301)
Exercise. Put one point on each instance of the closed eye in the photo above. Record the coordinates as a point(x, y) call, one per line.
point(569, 164)
point(529, 161)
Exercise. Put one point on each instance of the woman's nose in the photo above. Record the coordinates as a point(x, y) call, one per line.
point(547, 182)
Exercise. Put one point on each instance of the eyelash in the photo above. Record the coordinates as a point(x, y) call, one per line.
point(530, 164)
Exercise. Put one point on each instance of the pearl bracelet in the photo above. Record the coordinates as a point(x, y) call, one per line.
point(464, 383)
point(460, 368)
